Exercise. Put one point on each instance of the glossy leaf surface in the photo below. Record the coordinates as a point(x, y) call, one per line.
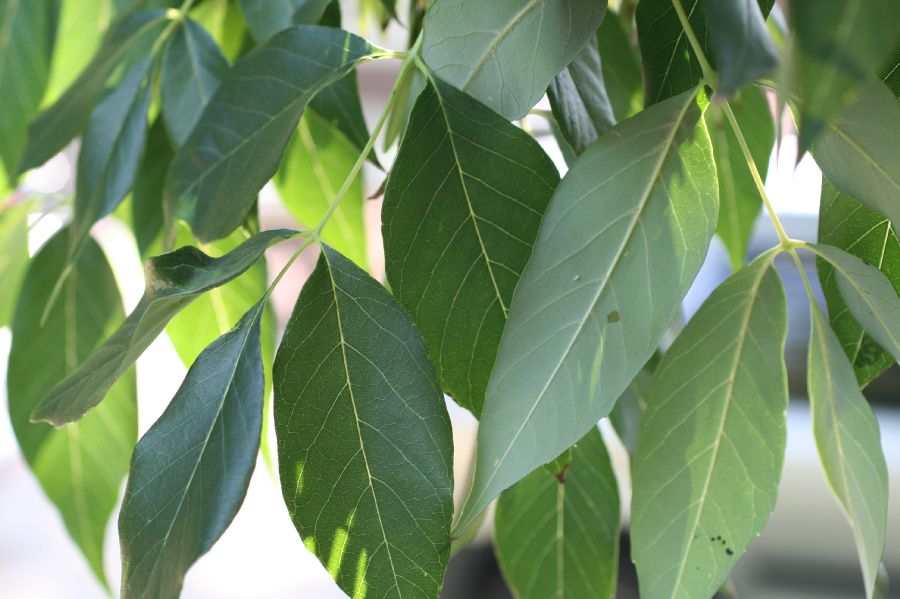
point(364, 440)
point(462, 209)
point(619, 245)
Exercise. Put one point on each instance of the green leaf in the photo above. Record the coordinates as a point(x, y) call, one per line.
point(744, 50)
point(173, 281)
point(558, 536)
point(265, 18)
point(13, 256)
point(838, 44)
point(620, 244)
point(237, 144)
point(629, 410)
point(711, 445)
point(147, 216)
point(858, 153)
point(317, 161)
point(224, 20)
point(27, 31)
point(849, 445)
point(869, 295)
point(79, 32)
point(192, 69)
point(111, 151)
point(461, 211)
point(65, 119)
point(80, 467)
point(670, 66)
point(364, 439)
point(621, 68)
point(738, 196)
point(579, 101)
point(847, 224)
point(506, 53)
point(339, 105)
point(190, 472)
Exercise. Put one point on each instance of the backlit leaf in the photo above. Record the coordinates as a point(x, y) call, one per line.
point(13, 256)
point(621, 67)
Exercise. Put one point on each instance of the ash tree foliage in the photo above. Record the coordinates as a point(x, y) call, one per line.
point(535, 299)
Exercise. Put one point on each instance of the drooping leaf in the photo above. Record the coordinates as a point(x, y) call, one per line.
point(218, 172)
point(364, 440)
point(173, 281)
point(859, 154)
point(670, 66)
point(558, 535)
point(868, 294)
point(190, 472)
point(743, 48)
point(13, 256)
point(712, 440)
point(409, 87)
point(147, 216)
point(847, 224)
point(68, 116)
point(621, 68)
point(192, 69)
point(579, 101)
point(80, 467)
point(111, 152)
point(461, 211)
point(849, 445)
point(507, 54)
point(619, 245)
point(838, 44)
point(317, 161)
point(739, 198)
point(265, 18)
point(629, 410)
point(339, 105)
point(27, 31)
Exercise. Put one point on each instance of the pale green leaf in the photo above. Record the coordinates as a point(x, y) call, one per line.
point(629, 410)
point(190, 472)
point(621, 67)
point(173, 281)
point(461, 211)
point(849, 445)
point(847, 224)
point(238, 143)
point(558, 536)
point(620, 244)
point(13, 256)
point(506, 53)
point(364, 440)
point(80, 467)
point(192, 69)
point(711, 445)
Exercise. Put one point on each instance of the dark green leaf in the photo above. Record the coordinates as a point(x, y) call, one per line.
point(59, 124)
point(147, 198)
point(712, 440)
point(190, 472)
point(859, 154)
point(838, 44)
point(847, 224)
point(13, 256)
point(739, 198)
point(579, 101)
point(173, 281)
point(461, 211)
point(621, 68)
point(364, 440)
point(849, 445)
point(192, 69)
point(111, 151)
point(743, 48)
point(317, 161)
point(868, 294)
point(339, 105)
point(238, 143)
point(265, 18)
point(506, 53)
point(620, 244)
point(409, 87)
point(27, 29)
point(81, 466)
point(558, 536)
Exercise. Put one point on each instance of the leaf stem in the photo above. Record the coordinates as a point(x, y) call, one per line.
point(708, 73)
